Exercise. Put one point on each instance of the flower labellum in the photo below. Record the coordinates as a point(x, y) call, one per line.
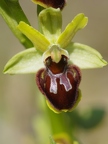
point(59, 83)
point(51, 3)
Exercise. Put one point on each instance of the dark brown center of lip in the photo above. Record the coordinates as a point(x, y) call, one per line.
point(56, 68)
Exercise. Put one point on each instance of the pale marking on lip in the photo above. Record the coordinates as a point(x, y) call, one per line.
point(64, 80)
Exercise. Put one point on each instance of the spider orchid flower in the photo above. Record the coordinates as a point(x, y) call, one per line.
point(55, 59)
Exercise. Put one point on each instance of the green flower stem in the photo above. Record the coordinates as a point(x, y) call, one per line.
point(12, 13)
point(39, 9)
point(58, 124)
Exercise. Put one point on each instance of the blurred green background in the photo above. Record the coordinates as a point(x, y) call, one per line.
point(18, 93)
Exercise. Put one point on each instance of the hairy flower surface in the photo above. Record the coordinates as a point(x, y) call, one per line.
point(55, 58)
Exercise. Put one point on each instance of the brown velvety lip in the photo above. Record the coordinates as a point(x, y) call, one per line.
point(60, 89)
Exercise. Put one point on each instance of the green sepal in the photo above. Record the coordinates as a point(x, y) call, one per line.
point(39, 40)
point(84, 56)
point(79, 22)
point(51, 23)
point(27, 61)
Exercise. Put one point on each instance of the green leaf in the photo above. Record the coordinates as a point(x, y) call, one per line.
point(51, 22)
point(39, 40)
point(84, 56)
point(79, 22)
point(12, 13)
point(88, 118)
point(27, 61)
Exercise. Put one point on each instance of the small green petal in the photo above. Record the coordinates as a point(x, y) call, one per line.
point(79, 22)
point(27, 61)
point(84, 56)
point(38, 39)
point(51, 23)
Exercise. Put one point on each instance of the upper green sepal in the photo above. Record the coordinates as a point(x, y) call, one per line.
point(51, 23)
point(84, 56)
point(79, 22)
point(27, 61)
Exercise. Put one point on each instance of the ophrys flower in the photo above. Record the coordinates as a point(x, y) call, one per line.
point(57, 57)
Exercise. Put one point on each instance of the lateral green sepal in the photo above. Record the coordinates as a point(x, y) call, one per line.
point(84, 56)
point(27, 61)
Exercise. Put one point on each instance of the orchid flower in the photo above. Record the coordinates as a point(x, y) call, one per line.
point(55, 59)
